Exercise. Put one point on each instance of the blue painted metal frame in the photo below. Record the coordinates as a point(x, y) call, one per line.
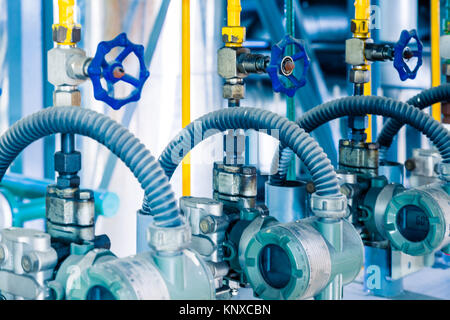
point(14, 62)
point(47, 44)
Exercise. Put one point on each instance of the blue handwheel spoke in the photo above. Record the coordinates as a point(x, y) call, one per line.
point(299, 55)
point(131, 80)
point(125, 52)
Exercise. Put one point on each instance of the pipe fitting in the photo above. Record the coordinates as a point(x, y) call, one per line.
point(329, 206)
point(168, 239)
point(444, 169)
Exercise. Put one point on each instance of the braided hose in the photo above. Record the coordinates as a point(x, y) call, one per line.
point(362, 105)
point(290, 135)
point(160, 200)
point(423, 100)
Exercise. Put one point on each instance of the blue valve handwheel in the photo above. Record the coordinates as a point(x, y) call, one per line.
point(399, 61)
point(113, 71)
point(280, 78)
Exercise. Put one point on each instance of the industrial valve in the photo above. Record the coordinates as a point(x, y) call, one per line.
point(281, 67)
point(113, 71)
point(402, 52)
point(69, 67)
point(360, 52)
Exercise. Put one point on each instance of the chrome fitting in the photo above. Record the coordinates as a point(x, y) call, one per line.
point(328, 206)
point(168, 239)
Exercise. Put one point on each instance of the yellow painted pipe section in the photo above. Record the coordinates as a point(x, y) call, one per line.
point(233, 34)
point(66, 10)
point(368, 92)
point(435, 55)
point(234, 13)
point(362, 9)
point(362, 21)
point(186, 88)
point(66, 13)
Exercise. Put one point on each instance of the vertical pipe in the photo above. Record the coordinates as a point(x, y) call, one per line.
point(14, 61)
point(186, 90)
point(435, 55)
point(362, 13)
point(368, 92)
point(290, 105)
point(234, 13)
point(49, 142)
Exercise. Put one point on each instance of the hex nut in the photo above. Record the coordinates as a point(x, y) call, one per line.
point(233, 34)
point(358, 123)
point(68, 162)
point(59, 34)
point(354, 52)
point(169, 239)
point(63, 182)
point(359, 76)
point(233, 91)
point(208, 225)
point(67, 98)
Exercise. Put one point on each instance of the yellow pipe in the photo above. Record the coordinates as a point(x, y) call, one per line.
point(362, 30)
point(233, 34)
point(66, 13)
point(186, 89)
point(234, 13)
point(435, 55)
point(368, 92)
point(362, 9)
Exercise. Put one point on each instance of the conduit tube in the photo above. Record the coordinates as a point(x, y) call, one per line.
point(160, 199)
point(423, 100)
point(290, 134)
point(402, 112)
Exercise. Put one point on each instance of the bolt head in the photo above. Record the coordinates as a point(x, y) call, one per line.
point(410, 164)
point(29, 263)
point(207, 225)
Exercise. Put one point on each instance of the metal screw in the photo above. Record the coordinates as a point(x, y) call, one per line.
point(207, 225)
point(29, 264)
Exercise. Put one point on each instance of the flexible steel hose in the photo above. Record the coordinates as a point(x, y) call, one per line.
point(361, 105)
point(290, 134)
point(423, 100)
point(160, 199)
